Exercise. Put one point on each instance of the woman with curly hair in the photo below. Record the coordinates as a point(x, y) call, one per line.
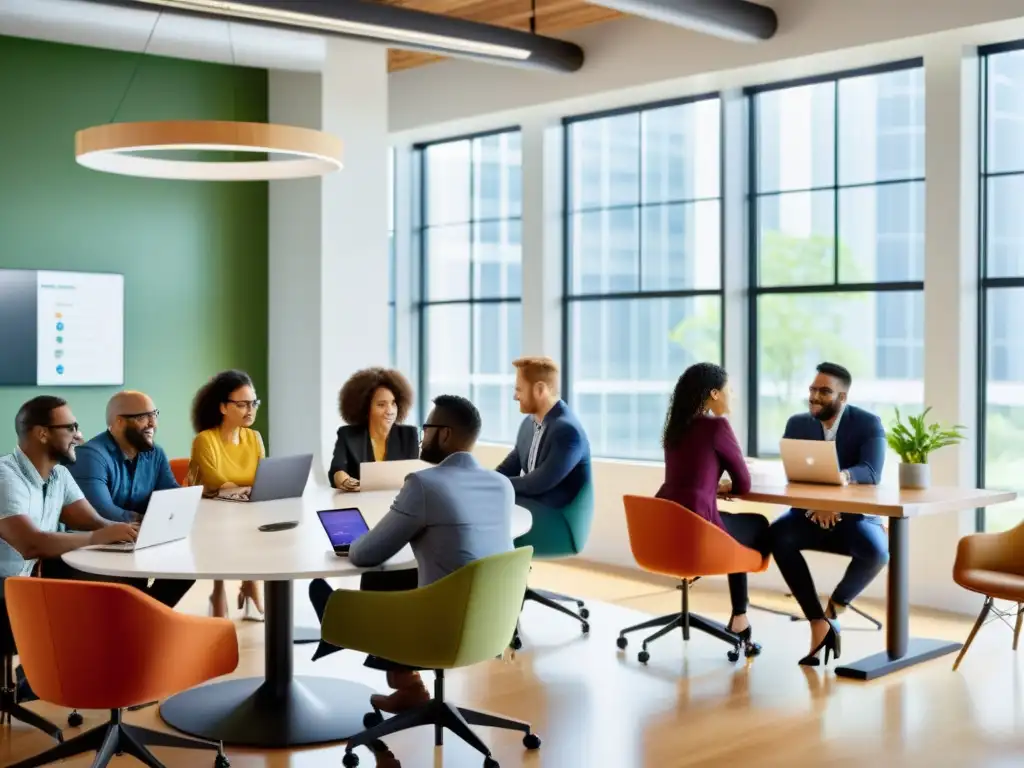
point(699, 446)
point(225, 454)
point(374, 403)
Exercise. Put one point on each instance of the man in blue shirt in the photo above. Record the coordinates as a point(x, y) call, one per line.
point(117, 471)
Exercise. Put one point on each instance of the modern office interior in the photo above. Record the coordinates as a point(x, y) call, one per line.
point(625, 188)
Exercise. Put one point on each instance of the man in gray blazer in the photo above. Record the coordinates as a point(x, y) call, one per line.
point(451, 514)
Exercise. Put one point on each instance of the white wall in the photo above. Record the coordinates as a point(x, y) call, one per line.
point(633, 62)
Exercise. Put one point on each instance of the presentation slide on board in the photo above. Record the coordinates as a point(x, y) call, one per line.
point(61, 328)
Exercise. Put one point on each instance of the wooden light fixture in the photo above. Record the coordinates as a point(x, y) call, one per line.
point(121, 148)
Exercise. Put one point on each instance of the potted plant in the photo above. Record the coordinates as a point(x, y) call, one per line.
point(913, 441)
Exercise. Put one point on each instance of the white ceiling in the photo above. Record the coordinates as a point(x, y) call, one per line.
point(126, 29)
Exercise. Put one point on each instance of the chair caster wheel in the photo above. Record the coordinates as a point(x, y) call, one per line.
point(643, 657)
point(584, 613)
point(585, 628)
point(490, 762)
point(622, 642)
point(516, 643)
point(372, 719)
point(531, 741)
point(733, 655)
point(752, 650)
point(350, 760)
point(222, 762)
point(75, 719)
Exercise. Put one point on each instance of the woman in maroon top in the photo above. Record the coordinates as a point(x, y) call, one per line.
point(699, 445)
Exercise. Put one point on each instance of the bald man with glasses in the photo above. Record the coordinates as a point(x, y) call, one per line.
point(117, 471)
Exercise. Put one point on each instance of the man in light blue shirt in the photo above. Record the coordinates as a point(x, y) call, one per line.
point(37, 493)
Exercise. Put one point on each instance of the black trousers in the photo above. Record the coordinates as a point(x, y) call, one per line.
point(371, 581)
point(167, 591)
point(7, 646)
point(750, 530)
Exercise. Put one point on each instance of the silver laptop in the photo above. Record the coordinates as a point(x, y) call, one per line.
point(387, 475)
point(810, 461)
point(280, 477)
point(169, 517)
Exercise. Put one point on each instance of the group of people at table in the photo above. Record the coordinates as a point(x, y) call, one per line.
point(58, 494)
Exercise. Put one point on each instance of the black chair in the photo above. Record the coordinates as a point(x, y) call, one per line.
point(10, 709)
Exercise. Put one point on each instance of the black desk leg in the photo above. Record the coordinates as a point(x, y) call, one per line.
point(901, 651)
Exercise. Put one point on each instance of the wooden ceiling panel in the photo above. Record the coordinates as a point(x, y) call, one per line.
point(553, 16)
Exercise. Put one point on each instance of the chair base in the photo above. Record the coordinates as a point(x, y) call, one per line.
point(115, 738)
point(794, 617)
point(988, 607)
point(686, 621)
point(11, 710)
point(554, 600)
point(441, 715)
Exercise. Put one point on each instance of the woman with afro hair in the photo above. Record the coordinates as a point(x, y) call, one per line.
point(374, 403)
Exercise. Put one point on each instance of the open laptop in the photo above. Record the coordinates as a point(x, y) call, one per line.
point(169, 517)
point(387, 475)
point(810, 461)
point(280, 477)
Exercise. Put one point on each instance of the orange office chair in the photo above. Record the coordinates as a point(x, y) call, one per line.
point(92, 645)
point(670, 540)
point(991, 565)
point(179, 468)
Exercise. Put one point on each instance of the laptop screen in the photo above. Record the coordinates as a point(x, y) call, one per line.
point(343, 526)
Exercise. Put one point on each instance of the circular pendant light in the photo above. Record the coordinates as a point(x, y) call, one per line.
point(294, 152)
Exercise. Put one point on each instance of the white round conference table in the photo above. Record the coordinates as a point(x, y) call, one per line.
point(279, 709)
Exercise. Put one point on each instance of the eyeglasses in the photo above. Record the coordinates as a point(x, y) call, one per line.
point(148, 415)
point(425, 427)
point(246, 405)
point(823, 391)
point(71, 428)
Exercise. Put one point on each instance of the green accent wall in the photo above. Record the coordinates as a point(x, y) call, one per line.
point(194, 254)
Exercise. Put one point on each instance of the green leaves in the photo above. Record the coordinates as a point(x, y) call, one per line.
point(914, 440)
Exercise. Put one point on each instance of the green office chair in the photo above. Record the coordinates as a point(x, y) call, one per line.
point(558, 533)
point(463, 619)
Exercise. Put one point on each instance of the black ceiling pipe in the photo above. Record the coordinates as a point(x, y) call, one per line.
point(545, 53)
point(732, 19)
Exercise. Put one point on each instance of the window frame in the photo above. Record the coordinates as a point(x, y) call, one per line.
point(422, 303)
point(986, 283)
point(752, 198)
point(569, 298)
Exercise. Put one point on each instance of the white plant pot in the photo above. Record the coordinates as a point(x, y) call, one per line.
point(916, 476)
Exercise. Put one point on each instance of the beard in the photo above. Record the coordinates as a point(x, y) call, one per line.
point(63, 456)
point(828, 411)
point(138, 441)
point(432, 453)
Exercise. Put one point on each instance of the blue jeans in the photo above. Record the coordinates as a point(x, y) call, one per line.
point(860, 538)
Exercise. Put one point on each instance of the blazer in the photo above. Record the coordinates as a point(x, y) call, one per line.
point(694, 466)
point(563, 459)
point(860, 441)
point(353, 447)
point(451, 515)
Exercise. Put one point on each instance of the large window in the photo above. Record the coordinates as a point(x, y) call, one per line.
point(837, 243)
point(469, 236)
point(1001, 458)
point(643, 296)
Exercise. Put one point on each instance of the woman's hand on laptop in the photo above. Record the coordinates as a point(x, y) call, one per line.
point(234, 492)
point(350, 484)
point(115, 533)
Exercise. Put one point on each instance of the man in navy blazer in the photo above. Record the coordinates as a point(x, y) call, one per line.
point(550, 462)
point(860, 447)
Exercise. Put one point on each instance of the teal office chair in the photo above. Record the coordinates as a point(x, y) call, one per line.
point(558, 533)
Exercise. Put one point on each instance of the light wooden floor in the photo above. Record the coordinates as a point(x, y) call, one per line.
point(596, 706)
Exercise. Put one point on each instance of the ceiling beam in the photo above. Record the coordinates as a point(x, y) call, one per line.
point(390, 25)
point(738, 20)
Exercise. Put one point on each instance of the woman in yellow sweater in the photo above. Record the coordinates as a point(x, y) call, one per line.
point(225, 454)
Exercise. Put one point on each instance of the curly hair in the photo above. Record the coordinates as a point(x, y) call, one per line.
point(214, 393)
point(692, 390)
point(357, 394)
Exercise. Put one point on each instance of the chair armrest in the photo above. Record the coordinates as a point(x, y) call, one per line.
point(415, 627)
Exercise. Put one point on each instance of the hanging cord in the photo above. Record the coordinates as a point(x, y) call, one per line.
point(533, 17)
point(138, 63)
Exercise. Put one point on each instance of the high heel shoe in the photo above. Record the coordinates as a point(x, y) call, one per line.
point(750, 648)
point(830, 643)
point(247, 604)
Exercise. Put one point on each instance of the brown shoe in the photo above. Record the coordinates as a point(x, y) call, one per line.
point(410, 692)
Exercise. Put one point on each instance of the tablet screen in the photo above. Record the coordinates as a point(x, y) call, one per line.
point(343, 526)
